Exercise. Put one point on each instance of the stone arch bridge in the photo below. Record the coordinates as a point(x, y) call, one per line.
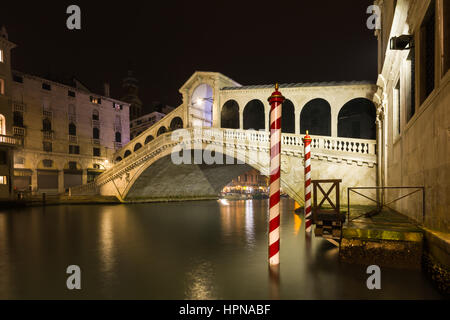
point(221, 119)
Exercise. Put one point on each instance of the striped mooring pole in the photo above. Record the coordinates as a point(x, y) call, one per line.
point(307, 143)
point(275, 100)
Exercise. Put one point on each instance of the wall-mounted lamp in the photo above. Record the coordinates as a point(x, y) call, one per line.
point(403, 42)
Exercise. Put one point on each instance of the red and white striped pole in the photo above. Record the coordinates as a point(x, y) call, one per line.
point(307, 142)
point(275, 100)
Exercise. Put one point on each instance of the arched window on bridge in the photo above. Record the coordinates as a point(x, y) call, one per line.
point(118, 159)
point(127, 153)
point(72, 129)
point(137, 146)
point(148, 139)
point(161, 131)
point(316, 118)
point(176, 123)
point(254, 115)
point(287, 117)
point(356, 119)
point(229, 117)
point(118, 137)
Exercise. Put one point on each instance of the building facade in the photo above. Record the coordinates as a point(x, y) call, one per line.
point(7, 143)
point(413, 106)
point(68, 134)
point(139, 125)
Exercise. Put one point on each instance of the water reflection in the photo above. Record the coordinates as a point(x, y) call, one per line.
point(183, 250)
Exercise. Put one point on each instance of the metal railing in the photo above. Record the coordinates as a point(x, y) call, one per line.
point(381, 203)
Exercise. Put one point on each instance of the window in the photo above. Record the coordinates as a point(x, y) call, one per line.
point(71, 93)
point(46, 125)
point(72, 129)
point(95, 115)
point(46, 86)
point(2, 87)
point(72, 165)
point(47, 163)
point(96, 100)
point(117, 106)
point(446, 36)
point(3, 157)
point(118, 137)
point(3, 180)
point(410, 85)
point(1, 56)
point(96, 133)
point(96, 166)
point(2, 124)
point(18, 119)
point(397, 107)
point(47, 146)
point(18, 79)
point(96, 152)
point(427, 53)
point(19, 160)
point(74, 149)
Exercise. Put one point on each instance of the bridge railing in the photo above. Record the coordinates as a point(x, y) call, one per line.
point(249, 138)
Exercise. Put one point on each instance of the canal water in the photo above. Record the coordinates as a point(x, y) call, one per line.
point(179, 250)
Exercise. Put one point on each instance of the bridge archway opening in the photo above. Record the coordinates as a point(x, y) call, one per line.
point(137, 146)
point(148, 139)
point(287, 117)
point(163, 178)
point(254, 115)
point(176, 123)
point(118, 159)
point(316, 118)
point(356, 119)
point(229, 116)
point(201, 106)
point(127, 154)
point(161, 131)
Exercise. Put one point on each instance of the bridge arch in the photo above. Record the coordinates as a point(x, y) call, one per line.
point(316, 117)
point(176, 123)
point(148, 139)
point(161, 131)
point(287, 117)
point(126, 154)
point(229, 116)
point(356, 119)
point(137, 146)
point(118, 159)
point(254, 115)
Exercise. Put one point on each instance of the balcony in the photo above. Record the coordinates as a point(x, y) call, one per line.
point(73, 139)
point(9, 140)
point(96, 142)
point(19, 131)
point(47, 113)
point(72, 117)
point(47, 135)
point(18, 106)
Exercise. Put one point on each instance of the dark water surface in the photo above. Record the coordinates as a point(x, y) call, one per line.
point(183, 250)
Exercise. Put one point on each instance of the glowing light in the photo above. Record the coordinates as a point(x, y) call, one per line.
point(199, 101)
point(224, 202)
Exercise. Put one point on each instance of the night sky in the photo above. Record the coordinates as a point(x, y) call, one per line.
point(252, 42)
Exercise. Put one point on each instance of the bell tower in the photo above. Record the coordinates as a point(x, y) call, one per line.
point(130, 86)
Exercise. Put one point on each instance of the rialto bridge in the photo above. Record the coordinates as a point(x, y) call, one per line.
point(221, 131)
